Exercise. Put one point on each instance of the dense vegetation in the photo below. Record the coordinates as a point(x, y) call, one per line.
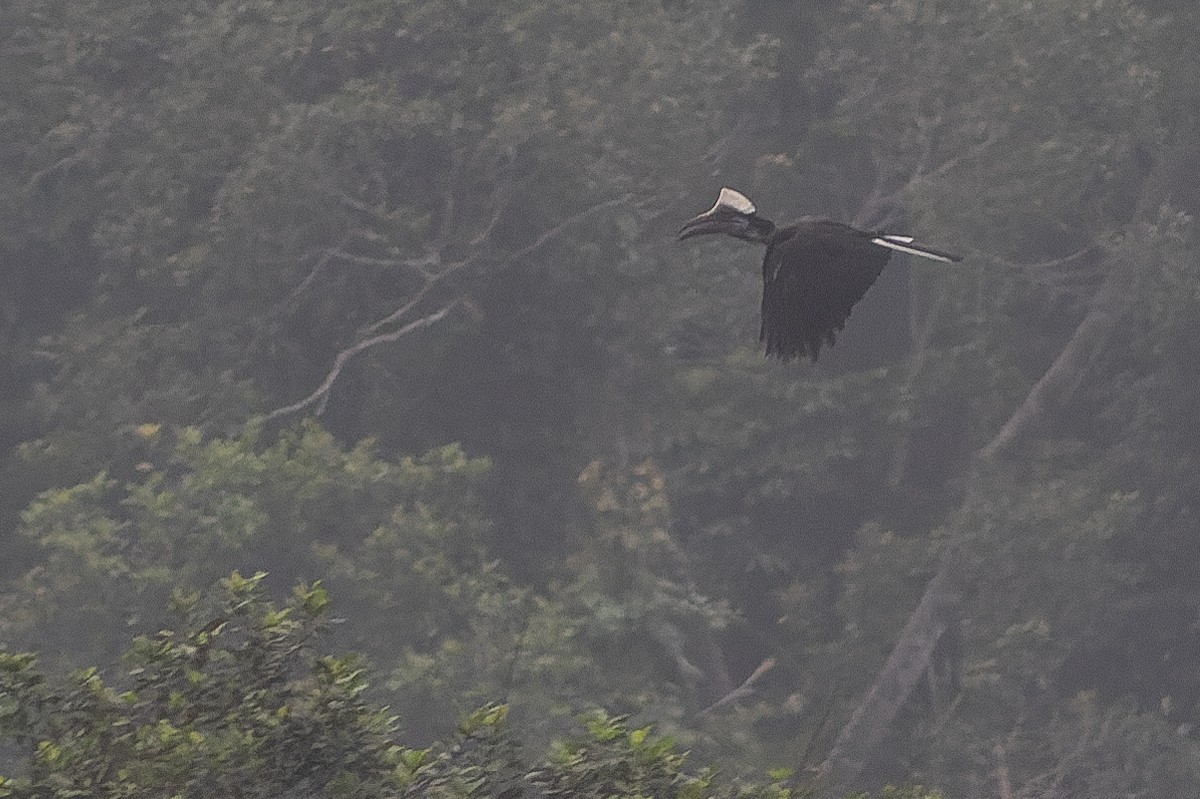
point(384, 295)
point(240, 703)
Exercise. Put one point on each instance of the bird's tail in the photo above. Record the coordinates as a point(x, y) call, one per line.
point(909, 245)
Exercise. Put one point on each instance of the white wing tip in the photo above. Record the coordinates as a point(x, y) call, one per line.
point(902, 243)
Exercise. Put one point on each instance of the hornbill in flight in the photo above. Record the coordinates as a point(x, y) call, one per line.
point(813, 273)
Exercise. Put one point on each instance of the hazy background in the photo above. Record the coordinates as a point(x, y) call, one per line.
point(552, 467)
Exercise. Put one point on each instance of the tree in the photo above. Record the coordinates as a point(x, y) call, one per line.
point(236, 702)
point(239, 701)
point(272, 196)
point(1041, 542)
point(957, 549)
point(407, 537)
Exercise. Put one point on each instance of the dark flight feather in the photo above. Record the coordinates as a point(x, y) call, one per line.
point(813, 274)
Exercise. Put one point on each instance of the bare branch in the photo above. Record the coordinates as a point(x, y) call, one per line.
point(359, 205)
point(878, 202)
point(1087, 339)
point(927, 127)
point(953, 163)
point(502, 197)
point(1002, 773)
point(404, 309)
point(669, 636)
point(742, 691)
point(421, 264)
point(871, 206)
point(566, 223)
point(912, 652)
point(1053, 263)
point(306, 283)
point(908, 661)
point(1072, 275)
point(321, 395)
point(449, 205)
point(928, 622)
point(492, 224)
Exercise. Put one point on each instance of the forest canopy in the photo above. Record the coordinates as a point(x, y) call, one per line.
point(383, 300)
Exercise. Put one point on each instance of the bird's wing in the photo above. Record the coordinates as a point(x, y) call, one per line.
point(813, 274)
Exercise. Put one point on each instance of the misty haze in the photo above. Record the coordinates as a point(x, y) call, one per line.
point(367, 430)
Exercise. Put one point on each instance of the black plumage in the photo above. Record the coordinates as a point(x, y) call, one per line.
point(813, 273)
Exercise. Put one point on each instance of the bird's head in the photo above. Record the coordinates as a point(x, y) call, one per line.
point(733, 215)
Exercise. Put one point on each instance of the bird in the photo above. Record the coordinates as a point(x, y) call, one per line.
point(814, 271)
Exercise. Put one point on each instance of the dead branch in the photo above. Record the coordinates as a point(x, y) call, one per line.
point(1002, 773)
point(1093, 332)
point(900, 674)
point(876, 210)
point(742, 691)
point(449, 268)
point(857, 740)
point(431, 278)
point(322, 261)
point(911, 655)
point(321, 395)
point(403, 310)
point(427, 260)
point(1053, 263)
point(950, 164)
point(494, 221)
point(553, 232)
point(672, 639)
point(870, 208)
point(1089, 337)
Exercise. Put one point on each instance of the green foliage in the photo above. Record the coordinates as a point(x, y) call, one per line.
point(234, 702)
point(905, 792)
point(204, 208)
point(1001, 99)
point(240, 701)
point(199, 507)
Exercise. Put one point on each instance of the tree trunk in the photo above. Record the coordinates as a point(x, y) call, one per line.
point(910, 659)
point(934, 614)
point(1055, 386)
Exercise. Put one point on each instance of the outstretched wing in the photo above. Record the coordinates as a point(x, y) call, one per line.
point(813, 274)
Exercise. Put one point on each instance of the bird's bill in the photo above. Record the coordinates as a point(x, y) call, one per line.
point(701, 225)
